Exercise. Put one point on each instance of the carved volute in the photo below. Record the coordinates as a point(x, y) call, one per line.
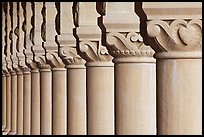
point(50, 44)
point(174, 34)
point(89, 34)
point(66, 39)
point(123, 38)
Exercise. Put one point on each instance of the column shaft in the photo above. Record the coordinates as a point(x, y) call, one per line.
point(8, 104)
point(19, 104)
point(100, 99)
point(3, 102)
point(26, 103)
point(135, 89)
point(76, 100)
point(180, 96)
point(59, 83)
point(35, 102)
point(13, 104)
point(45, 102)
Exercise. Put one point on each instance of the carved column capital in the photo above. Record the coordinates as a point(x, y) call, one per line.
point(178, 35)
point(68, 51)
point(39, 36)
point(89, 34)
point(4, 39)
point(123, 38)
point(67, 42)
point(20, 44)
point(29, 36)
point(51, 47)
point(9, 37)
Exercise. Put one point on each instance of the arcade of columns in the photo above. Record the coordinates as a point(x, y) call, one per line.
point(101, 68)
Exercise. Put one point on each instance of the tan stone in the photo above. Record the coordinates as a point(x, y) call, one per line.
point(175, 35)
point(100, 114)
point(77, 117)
point(19, 103)
point(135, 100)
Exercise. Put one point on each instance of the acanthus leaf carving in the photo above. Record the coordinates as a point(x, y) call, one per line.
point(94, 51)
point(41, 62)
point(177, 36)
point(127, 44)
point(54, 60)
point(69, 56)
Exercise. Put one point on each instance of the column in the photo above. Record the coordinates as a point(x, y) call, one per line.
point(44, 68)
point(134, 69)
point(13, 103)
point(9, 67)
point(4, 69)
point(76, 73)
point(99, 71)
point(59, 79)
point(19, 103)
point(25, 69)
point(14, 73)
point(35, 76)
point(174, 31)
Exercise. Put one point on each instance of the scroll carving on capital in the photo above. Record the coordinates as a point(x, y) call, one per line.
point(94, 51)
point(127, 44)
point(177, 35)
point(70, 57)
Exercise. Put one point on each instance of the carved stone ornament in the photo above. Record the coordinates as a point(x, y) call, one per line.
point(175, 37)
point(94, 51)
point(127, 44)
point(70, 56)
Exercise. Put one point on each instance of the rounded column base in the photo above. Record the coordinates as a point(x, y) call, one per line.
point(12, 133)
point(6, 131)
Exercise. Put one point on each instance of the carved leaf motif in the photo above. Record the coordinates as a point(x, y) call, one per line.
point(70, 56)
point(93, 51)
point(178, 36)
point(127, 44)
point(54, 60)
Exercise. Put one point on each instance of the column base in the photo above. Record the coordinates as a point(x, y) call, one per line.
point(3, 127)
point(6, 131)
point(12, 133)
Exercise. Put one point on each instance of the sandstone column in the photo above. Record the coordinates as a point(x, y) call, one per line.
point(45, 72)
point(99, 72)
point(9, 67)
point(13, 76)
point(59, 79)
point(35, 76)
point(14, 59)
point(17, 81)
point(135, 78)
point(25, 69)
point(76, 73)
point(19, 103)
point(175, 32)
point(4, 68)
